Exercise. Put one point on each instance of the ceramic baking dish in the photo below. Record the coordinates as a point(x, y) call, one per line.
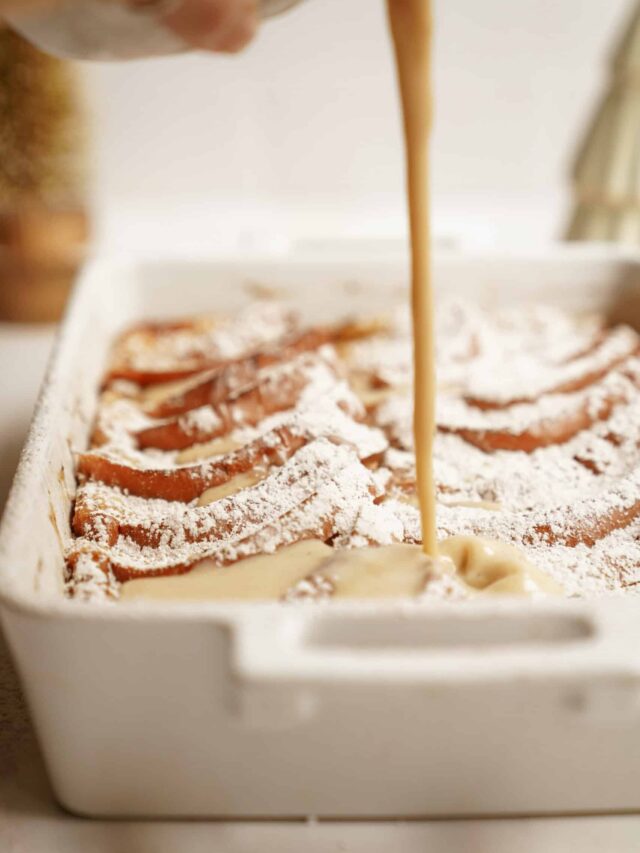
point(394, 709)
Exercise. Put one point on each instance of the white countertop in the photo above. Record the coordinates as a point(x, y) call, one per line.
point(30, 820)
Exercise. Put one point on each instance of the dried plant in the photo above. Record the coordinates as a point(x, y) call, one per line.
point(41, 127)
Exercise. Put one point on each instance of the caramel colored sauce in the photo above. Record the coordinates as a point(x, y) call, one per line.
point(411, 29)
point(410, 22)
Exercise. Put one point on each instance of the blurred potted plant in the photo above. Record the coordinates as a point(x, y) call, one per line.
point(43, 217)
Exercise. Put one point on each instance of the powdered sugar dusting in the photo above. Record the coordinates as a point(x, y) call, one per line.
point(538, 445)
point(204, 339)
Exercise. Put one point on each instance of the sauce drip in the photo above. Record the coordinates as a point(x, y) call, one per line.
point(410, 22)
point(411, 27)
point(313, 570)
point(266, 577)
point(495, 568)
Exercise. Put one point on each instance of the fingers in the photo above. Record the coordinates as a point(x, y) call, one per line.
point(220, 25)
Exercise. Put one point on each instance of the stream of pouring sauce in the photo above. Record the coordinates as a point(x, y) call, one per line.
point(482, 566)
point(411, 25)
point(490, 564)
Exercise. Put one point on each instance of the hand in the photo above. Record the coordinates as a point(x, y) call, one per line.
point(219, 25)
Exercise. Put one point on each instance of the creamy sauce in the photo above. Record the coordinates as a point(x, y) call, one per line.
point(495, 567)
point(267, 577)
point(153, 395)
point(217, 447)
point(231, 487)
point(385, 572)
point(482, 567)
point(489, 506)
point(410, 22)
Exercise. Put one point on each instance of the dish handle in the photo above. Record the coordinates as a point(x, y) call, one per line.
point(285, 664)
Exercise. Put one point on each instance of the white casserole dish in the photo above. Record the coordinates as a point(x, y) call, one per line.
point(394, 709)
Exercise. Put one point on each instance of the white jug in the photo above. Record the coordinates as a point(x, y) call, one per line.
point(94, 29)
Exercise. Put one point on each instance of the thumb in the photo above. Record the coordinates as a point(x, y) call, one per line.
point(219, 25)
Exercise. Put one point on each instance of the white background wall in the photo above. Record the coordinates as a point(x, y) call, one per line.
point(299, 136)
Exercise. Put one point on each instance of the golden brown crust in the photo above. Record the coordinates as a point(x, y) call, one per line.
point(247, 409)
point(236, 374)
point(189, 482)
point(139, 519)
point(542, 433)
point(123, 573)
point(588, 377)
point(588, 531)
